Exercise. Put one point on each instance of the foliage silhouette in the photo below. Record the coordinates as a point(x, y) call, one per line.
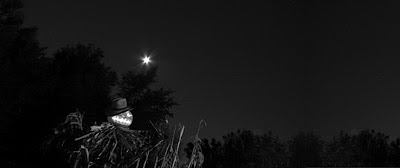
point(23, 85)
point(243, 149)
point(364, 148)
point(82, 81)
point(305, 149)
point(151, 107)
point(213, 153)
point(394, 153)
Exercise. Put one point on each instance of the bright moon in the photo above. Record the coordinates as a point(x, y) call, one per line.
point(146, 60)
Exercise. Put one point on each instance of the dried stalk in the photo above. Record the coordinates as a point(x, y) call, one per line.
point(110, 146)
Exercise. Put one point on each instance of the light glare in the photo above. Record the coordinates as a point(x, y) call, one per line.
point(146, 60)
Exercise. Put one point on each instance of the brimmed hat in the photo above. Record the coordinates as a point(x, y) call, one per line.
point(118, 106)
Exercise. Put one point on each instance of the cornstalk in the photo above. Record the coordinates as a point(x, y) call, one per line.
point(155, 163)
point(138, 163)
point(147, 157)
point(177, 147)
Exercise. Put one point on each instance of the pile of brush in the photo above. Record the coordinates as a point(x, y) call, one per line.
point(110, 146)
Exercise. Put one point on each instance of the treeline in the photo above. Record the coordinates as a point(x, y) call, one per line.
point(37, 90)
point(245, 149)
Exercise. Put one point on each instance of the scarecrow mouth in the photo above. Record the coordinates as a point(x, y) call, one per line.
point(121, 120)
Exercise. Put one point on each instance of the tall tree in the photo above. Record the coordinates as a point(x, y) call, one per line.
point(271, 152)
point(247, 149)
point(23, 84)
point(239, 149)
point(243, 149)
point(338, 151)
point(82, 81)
point(151, 107)
point(373, 147)
point(21, 59)
point(364, 148)
point(394, 153)
point(305, 149)
point(213, 152)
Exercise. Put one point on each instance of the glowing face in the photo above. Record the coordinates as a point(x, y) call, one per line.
point(123, 119)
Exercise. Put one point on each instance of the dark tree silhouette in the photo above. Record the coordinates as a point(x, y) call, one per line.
point(364, 148)
point(243, 149)
point(246, 149)
point(82, 81)
point(373, 147)
point(305, 149)
point(23, 86)
point(22, 60)
point(271, 152)
point(239, 149)
point(213, 152)
point(394, 153)
point(338, 151)
point(78, 80)
point(150, 106)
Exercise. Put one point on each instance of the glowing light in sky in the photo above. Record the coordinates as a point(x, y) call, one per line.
point(146, 60)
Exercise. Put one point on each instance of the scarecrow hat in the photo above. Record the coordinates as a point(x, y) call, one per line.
point(118, 106)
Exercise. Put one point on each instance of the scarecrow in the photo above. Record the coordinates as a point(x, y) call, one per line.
point(110, 144)
point(113, 145)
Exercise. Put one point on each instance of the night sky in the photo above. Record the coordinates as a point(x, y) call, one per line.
point(258, 65)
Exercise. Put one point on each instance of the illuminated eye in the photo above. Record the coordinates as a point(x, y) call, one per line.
point(128, 114)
